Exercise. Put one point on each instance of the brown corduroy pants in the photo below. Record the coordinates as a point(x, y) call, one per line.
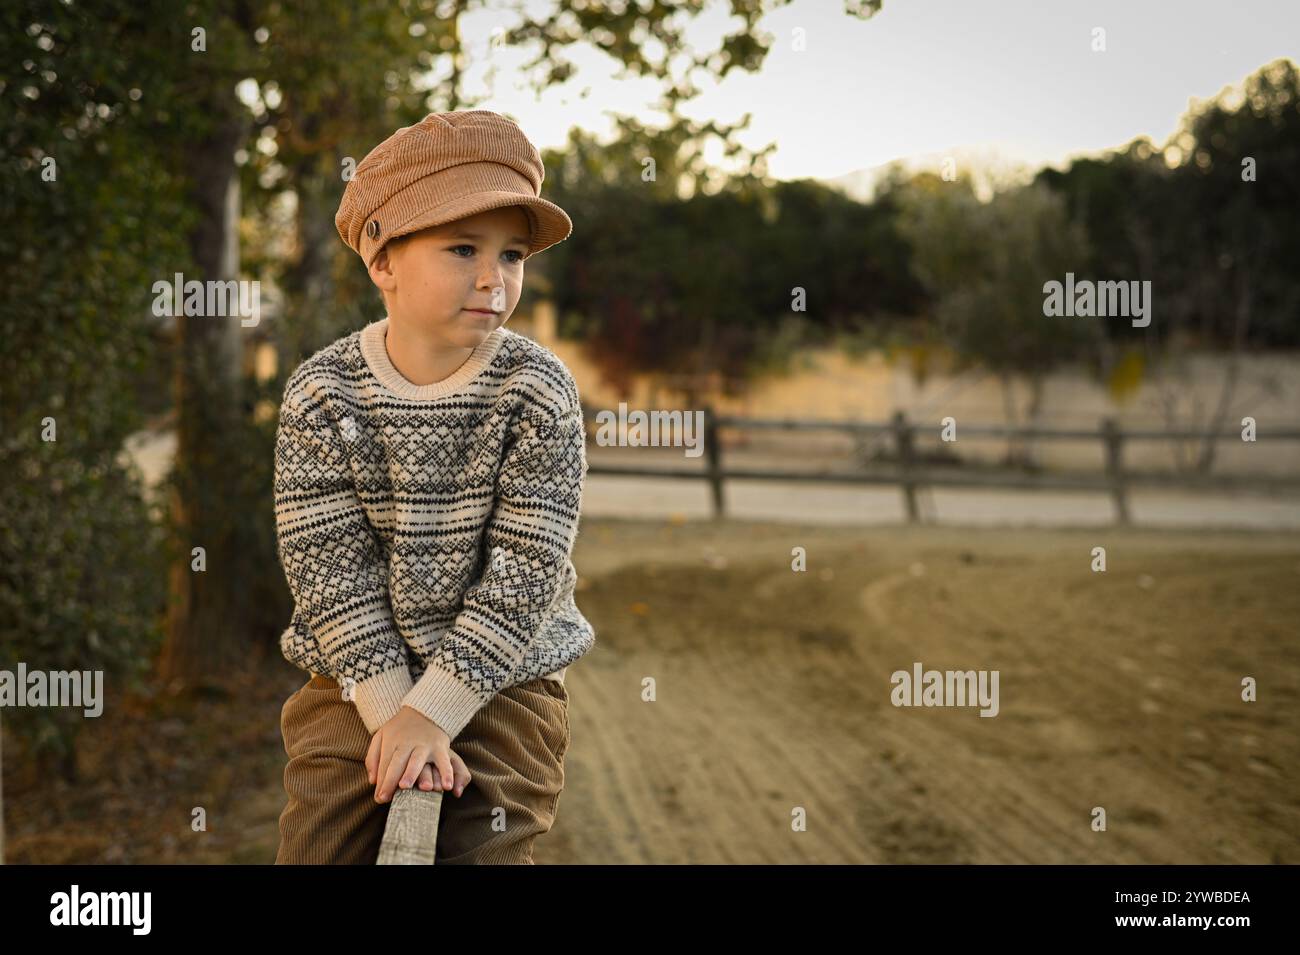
point(513, 748)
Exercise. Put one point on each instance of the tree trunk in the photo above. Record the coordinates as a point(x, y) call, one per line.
point(308, 284)
point(1009, 413)
point(203, 606)
point(1033, 414)
point(1241, 321)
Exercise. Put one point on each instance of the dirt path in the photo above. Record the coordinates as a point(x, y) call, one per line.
point(1117, 690)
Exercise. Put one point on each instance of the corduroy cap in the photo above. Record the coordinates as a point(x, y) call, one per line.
point(446, 167)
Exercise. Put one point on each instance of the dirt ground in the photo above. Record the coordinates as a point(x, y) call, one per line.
point(1119, 690)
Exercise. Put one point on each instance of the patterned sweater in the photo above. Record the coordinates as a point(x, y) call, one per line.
point(426, 531)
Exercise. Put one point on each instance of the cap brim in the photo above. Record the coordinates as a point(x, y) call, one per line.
point(549, 223)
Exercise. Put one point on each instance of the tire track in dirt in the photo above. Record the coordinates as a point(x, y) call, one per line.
point(1086, 683)
point(947, 752)
point(1037, 732)
point(1026, 818)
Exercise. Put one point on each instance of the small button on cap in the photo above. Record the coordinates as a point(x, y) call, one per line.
point(372, 228)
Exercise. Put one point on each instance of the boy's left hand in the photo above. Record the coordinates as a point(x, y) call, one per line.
point(410, 749)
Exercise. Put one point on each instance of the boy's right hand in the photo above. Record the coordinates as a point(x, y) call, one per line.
point(430, 779)
point(410, 749)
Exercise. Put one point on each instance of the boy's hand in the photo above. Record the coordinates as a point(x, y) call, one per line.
point(411, 747)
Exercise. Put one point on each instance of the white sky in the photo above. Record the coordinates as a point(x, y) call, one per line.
point(1010, 78)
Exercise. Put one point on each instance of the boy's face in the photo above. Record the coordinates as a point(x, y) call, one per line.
point(432, 279)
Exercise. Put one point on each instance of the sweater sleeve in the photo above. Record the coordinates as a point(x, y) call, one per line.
point(528, 541)
point(333, 561)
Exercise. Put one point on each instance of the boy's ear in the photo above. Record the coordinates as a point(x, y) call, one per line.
point(381, 271)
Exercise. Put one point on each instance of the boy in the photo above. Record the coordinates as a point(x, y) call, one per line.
point(428, 480)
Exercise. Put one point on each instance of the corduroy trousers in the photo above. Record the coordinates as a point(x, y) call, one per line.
point(513, 748)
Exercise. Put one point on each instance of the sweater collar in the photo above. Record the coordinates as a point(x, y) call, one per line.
point(375, 352)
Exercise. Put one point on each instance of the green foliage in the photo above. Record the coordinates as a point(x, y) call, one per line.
point(1216, 246)
point(986, 264)
point(652, 282)
point(82, 581)
point(1246, 233)
point(81, 569)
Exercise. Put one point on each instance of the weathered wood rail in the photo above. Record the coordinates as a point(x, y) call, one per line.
point(910, 475)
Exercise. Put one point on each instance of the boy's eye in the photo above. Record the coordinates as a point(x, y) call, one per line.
point(520, 255)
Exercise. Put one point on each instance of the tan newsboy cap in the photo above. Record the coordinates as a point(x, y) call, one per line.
point(446, 167)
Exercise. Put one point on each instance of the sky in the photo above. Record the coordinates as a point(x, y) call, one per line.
point(1013, 80)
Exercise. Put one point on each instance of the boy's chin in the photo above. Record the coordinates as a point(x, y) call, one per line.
point(477, 326)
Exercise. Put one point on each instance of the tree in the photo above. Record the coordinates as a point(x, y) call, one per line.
point(986, 265)
point(80, 569)
point(1241, 170)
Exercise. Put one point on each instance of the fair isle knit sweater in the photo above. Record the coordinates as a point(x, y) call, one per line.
point(426, 531)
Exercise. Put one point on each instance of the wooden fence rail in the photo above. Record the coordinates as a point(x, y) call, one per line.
point(911, 476)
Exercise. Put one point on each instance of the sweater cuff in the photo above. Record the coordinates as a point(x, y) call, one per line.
point(444, 699)
point(379, 698)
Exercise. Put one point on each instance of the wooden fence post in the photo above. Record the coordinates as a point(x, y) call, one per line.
point(906, 464)
point(411, 833)
point(713, 454)
point(1115, 467)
